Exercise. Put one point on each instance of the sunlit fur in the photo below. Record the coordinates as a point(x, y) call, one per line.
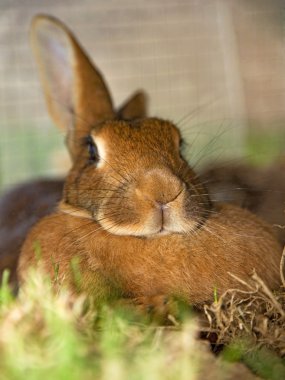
point(137, 220)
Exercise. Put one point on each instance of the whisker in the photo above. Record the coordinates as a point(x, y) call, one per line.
point(194, 111)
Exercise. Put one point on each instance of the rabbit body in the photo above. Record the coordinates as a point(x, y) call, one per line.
point(134, 220)
point(188, 266)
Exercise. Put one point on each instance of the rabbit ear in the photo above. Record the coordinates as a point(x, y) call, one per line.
point(135, 107)
point(75, 92)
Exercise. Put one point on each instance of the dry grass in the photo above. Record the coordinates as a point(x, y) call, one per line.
point(252, 311)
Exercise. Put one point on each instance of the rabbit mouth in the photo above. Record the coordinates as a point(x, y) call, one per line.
point(150, 229)
point(159, 220)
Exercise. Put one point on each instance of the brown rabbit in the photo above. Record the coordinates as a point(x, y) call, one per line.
point(134, 220)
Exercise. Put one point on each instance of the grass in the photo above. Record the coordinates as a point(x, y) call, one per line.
point(48, 335)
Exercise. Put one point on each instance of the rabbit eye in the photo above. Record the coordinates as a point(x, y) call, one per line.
point(92, 150)
point(182, 145)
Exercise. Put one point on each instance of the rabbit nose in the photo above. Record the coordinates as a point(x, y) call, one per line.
point(159, 187)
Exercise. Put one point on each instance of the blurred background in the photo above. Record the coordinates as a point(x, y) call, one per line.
point(215, 67)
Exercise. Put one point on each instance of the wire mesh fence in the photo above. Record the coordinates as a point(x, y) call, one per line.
point(216, 66)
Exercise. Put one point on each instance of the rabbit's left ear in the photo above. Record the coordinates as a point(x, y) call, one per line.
point(75, 92)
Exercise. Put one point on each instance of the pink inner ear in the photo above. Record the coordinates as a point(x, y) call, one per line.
point(56, 59)
point(67, 76)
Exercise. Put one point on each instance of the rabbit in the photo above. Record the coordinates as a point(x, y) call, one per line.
point(135, 222)
point(258, 189)
point(22, 206)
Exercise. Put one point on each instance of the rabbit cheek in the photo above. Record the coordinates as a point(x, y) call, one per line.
point(128, 217)
point(117, 215)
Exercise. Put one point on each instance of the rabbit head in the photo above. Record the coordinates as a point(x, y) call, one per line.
point(128, 175)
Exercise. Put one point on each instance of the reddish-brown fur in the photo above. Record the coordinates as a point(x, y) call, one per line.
point(137, 218)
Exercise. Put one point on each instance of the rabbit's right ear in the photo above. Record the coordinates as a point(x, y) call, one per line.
point(135, 107)
point(75, 92)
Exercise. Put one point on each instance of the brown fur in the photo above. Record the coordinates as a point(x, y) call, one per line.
point(136, 217)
